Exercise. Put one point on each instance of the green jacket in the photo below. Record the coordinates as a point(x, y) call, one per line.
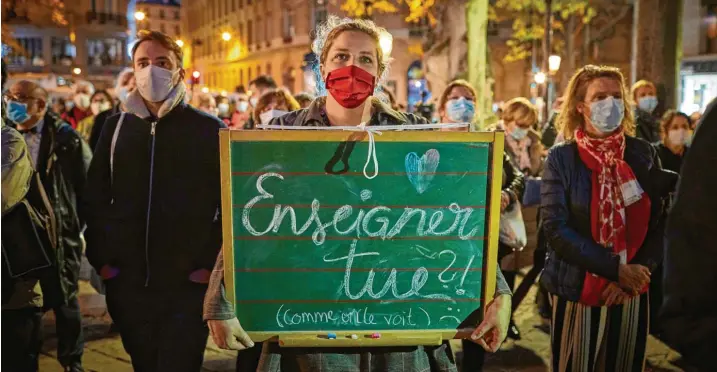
point(17, 172)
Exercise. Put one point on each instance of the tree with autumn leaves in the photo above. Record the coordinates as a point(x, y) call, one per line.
point(577, 28)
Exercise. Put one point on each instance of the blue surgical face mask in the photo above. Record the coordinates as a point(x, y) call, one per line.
point(460, 110)
point(242, 106)
point(519, 133)
point(647, 104)
point(607, 115)
point(17, 112)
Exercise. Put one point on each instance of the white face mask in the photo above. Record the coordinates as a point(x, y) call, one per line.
point(267, 116)
point(122, 94)
point(82, 100)
point(253, 101)
point(243, 106)
point(154, 83)
point(98, 107)
point(223, 108)
point(678, 137)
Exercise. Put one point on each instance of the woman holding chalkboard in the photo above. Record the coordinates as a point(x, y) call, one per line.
point(351, 64)
point(603, 202)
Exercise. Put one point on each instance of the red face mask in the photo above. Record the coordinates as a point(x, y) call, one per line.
point(350, 86)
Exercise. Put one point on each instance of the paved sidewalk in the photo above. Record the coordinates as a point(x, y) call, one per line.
point(104, 352)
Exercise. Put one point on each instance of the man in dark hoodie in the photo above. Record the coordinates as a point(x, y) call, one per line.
point(153, 198)
point(689, 308)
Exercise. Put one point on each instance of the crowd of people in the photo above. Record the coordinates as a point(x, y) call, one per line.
point(134, 172)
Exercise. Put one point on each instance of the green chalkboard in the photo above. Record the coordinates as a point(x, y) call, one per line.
point(314, 245)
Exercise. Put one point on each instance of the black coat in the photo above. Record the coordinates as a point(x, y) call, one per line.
point(99, 124)
point(62, 163)
point(157, 220)
point(566, 194)
point(689, 312)
point(647, 127)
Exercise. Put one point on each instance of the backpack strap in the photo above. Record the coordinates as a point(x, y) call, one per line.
point(115, 136)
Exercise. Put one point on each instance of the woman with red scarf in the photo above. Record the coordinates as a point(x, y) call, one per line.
point(603, 202)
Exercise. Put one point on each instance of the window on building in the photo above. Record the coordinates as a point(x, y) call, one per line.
point(33, 52)
point(259, 32)
point(268, 68)
point(258, 71)
point(320, 14)
point(63, 51)
point(161, 14)
point(267, 28)
point(248, 75)
point(177, 31)
point(105, 52)
point(234, 5)
point(288, 24)
point(176, 15)
point(248, 2)
point(162, 28)
point(240, 30)
point(249, 33)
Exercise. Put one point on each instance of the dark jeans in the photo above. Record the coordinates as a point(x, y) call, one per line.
point(473, 357)
point(22, 339)
point(70, 341)
point(161, 330)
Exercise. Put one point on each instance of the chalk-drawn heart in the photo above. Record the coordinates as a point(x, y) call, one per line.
point(420, 171)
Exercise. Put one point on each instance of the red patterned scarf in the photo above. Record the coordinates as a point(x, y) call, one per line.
point(619, 208)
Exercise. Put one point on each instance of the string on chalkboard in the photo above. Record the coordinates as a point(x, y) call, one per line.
point(371, 131)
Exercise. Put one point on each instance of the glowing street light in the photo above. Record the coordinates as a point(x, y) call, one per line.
point(205, 90)
point(76, 70)
point(226, 36)
point(385, 41)
point(195, 74)
point(180, 43)
point(139, 15)
point(540, 78)
point(554, 63)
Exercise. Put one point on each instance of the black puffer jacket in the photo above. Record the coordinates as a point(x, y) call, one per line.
point(648, 128)
point(156, 216)
point(565, 206)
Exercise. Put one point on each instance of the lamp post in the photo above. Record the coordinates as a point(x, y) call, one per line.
point(553, 67)
point(139, 15)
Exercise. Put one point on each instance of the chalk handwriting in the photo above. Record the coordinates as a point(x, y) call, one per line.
point(374, 223)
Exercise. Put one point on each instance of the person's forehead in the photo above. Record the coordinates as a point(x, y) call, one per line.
point(152, 49)
point(461, 90)
point(354, 41)
point(604, 85)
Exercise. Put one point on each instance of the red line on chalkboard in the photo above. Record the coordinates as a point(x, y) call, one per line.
point(361, 173)
point(331, 206)
point(358, 301)
point(340, 269)
point(265, 237)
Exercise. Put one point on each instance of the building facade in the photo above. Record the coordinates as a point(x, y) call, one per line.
point(160, 15)
point(698, 72)
point(91, 46)
point(274, 37)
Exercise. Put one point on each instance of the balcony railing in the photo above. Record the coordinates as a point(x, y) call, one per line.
point(107, 18)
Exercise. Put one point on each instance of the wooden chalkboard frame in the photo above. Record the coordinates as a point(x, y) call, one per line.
point(392, 338)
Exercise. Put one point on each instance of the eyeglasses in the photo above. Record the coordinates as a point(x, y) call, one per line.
point(10, 97)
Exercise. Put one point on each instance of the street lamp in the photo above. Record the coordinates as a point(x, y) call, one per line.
point(76, 70)
point(226, 36)
point(554, 63)
point(385, 41)
point(540, 78)
point(139, 15)
point(180, 43)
